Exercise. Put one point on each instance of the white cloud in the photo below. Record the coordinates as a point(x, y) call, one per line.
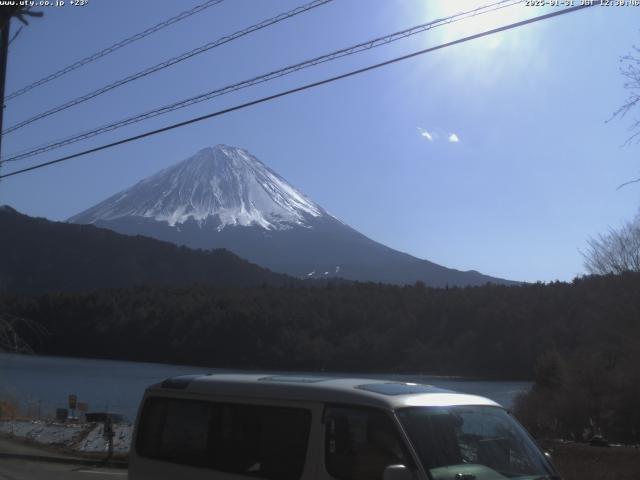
point(437, 134)
point(426, 134)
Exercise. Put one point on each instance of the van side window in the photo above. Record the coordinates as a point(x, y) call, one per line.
point(360, 443)
point(252, 440)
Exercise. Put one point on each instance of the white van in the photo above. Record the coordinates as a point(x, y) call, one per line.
point(228, 426)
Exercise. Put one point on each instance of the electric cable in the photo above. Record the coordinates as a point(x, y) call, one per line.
point(368, 45)
point(301, 88)
point(116, 46)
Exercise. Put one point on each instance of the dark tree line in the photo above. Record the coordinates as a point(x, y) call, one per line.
point(579, 341)
point(492, 331)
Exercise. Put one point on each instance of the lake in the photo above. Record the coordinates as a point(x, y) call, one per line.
point(44, 383)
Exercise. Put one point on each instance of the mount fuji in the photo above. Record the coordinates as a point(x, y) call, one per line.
point(224, 197)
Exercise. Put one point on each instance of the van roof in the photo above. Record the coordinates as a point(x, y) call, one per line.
point(386, 394)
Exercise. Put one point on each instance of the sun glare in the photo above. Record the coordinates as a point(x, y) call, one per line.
point(483, 21)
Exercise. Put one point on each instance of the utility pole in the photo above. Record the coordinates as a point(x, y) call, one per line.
point(6, 14)
point(4, 53)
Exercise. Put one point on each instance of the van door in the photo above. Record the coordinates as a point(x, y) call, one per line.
point(361, 442)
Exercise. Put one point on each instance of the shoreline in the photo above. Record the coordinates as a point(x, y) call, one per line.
point(256, 369)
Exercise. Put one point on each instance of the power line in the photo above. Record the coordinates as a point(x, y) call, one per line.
point(169, 63)
point(301, 88)
point(114, 47)
point(370, 44)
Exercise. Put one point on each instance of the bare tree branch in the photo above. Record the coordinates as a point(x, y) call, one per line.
point(10, 338)
point(630, 71)
point(616, 252)
point(636, 180)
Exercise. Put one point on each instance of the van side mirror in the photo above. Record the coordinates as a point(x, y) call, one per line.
point(397, 472)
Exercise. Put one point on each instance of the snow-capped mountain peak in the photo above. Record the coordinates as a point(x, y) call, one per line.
point(224, 197)
point(221, 184)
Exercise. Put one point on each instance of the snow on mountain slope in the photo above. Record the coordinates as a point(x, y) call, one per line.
point(223, 184)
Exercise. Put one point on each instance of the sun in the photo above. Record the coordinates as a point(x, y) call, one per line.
point(484, 20)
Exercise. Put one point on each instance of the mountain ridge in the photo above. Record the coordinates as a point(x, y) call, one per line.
point(41, 256)
point(224, 197)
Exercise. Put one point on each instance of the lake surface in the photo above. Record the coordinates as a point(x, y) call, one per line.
point(44, 383)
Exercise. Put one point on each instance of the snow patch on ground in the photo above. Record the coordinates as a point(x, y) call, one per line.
point(75, 437)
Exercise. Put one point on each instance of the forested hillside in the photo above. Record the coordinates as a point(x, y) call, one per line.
point(40, 256)
point(492, 331)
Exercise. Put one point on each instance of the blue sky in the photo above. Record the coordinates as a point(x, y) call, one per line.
point(532, 175)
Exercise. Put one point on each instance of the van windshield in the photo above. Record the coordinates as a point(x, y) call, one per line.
point(475, 442)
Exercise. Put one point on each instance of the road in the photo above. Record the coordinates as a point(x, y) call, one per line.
point(8, 445)
point(11, 469)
